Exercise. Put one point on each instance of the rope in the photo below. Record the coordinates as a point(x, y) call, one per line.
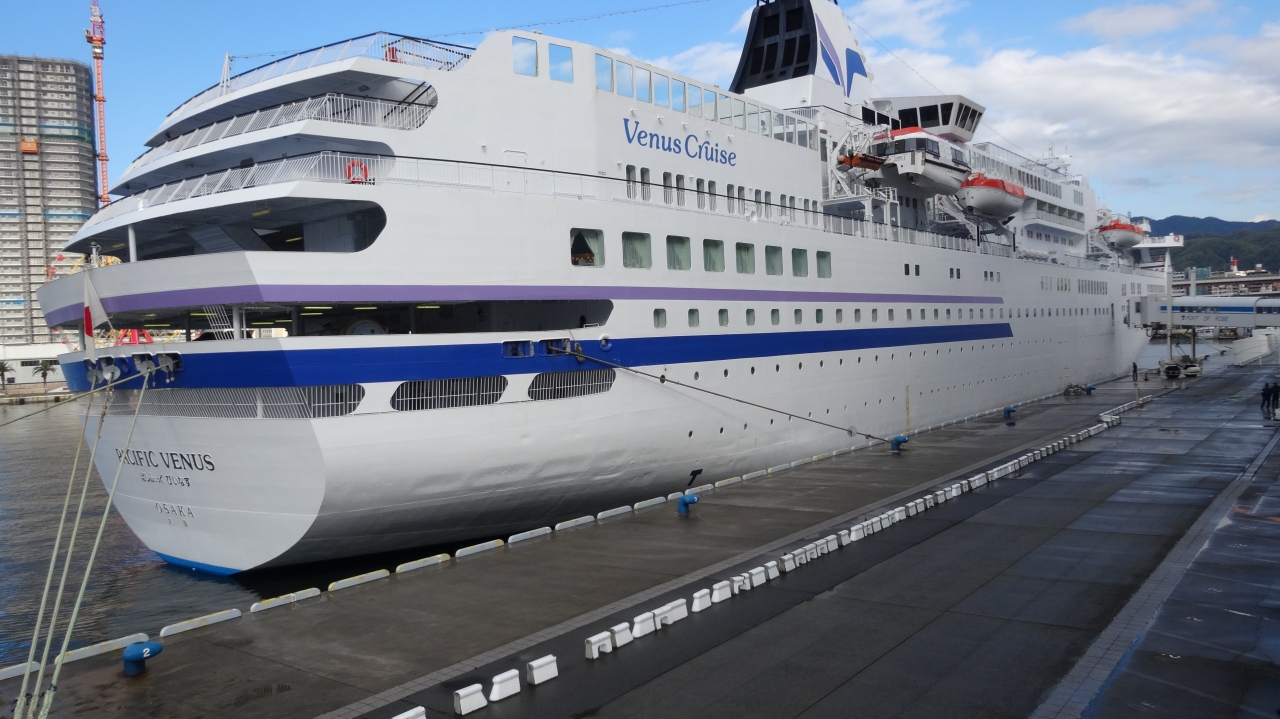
point(663, 379)
point(53, 562)
point(93, 555)
point(77, 397)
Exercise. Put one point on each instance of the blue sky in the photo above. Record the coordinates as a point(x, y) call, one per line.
point(1169, 107)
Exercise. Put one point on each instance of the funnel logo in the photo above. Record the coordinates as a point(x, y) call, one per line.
point(853, 65)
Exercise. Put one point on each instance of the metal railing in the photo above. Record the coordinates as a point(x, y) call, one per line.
point(1059, 219)
point(331, 108)
point(378, 46)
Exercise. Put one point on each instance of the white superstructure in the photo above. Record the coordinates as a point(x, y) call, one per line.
point(441, 229)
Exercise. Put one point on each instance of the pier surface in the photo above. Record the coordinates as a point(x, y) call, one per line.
point(1025, 597)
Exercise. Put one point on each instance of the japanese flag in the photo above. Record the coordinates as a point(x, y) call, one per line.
point(94, 315)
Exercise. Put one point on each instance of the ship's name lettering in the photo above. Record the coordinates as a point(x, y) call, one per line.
point(175, 510)
point(169, 479)
point(690, 145)
point(166, 460)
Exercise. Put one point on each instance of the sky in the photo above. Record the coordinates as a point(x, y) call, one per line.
point(1168, 107)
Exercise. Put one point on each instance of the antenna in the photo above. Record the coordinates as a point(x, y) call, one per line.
point(96, 37)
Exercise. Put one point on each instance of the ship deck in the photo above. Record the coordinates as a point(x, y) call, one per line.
point(1032, 595)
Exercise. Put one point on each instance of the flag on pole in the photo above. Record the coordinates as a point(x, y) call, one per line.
point(94, 315)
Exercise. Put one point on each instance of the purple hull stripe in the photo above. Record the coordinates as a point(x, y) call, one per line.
point(291, 294)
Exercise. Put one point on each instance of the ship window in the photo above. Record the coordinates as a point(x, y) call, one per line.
point(751, 318)
point(772, 260)
point(817, 316)
point(766, 127)
point(917, 270)
point(631, 182)
point(791, 129)
point(963, 116)
point(636, 250)
point(702, 194)
point(906, 269)
point(524, 56)
point(713, 255)
point(946, 112)
point(923, 314)
point(890, 315)
point(659, 318)
point(802, 133)
point(875, 315)
point(560, 62)
point(839, 316)
point(678, 255)
point(799, 316)
point(693, 318)
point(625, 84)
point(779, 126)
point(929, 116)
point(774, 316)
point(604, 73)
point(788, 52)
point(974, 119)
point(948, 313)
point(746, 258)
point(646, 191)
point(695, 101)
point(799, 263)
point(909, 117)
point(759, 202)
point(857, 315)
point(711, 195)
point(728, 196)
point(742, 200)
point(739, 114)
point(753, 117)
point(709, 104)
point(668, 187)
point(680, 190)
point(771, 25)
point(770, 56)
point(724, 110)
point(644, 93)
point(586, 247)
point(795, 19)
point(661, 90)
point(768, 205)
point(724, 317)
point(935, 314)
point(970, 313)
point(908, 314)
point(677, 95)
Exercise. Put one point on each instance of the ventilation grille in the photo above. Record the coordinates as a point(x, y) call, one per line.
point(578, 383)
point(333, 400)
point(444, 393)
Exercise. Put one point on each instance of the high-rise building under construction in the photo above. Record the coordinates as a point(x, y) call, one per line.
point(47, 181)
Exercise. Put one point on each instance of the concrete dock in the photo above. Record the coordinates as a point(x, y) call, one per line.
point(1027, 596)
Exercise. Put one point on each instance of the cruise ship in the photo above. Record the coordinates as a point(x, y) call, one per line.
point(437, 293)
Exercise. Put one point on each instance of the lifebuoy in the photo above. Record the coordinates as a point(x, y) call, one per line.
point(357, 172)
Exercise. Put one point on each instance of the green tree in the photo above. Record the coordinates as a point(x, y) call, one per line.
point(5, 369)
point(43, 370)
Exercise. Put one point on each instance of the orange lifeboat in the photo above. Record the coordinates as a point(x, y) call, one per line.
point(990, 196)
point(861, 160)
point(1121, 234)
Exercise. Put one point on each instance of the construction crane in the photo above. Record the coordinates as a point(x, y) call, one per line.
point(96, 37)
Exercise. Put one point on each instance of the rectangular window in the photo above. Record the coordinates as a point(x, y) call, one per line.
point(625, 85)
point(906, 269)
point(661, 90)
point(753, 118)
point(632, 187)
point(702, 194)
point(839, 316)
point(779, 126)
point(824, 265)
point(678, 253)
point(724, 318)
point(772, 260)
point(891, 315)
point(817, 316)
point(524, 56)
point(586, 247)
point(739, 114)
point(693, 318)
point(636, 250)
point(646, 188)
point(857, 315)
point(604, 73)
point(799, 316)
point(746, 256)
point(680, 190)
point(677, 95)
point(695, 101)
point(751, 318)
point(724, 110)
point(709, 104)
point(875, 315)
point(791, 129)
point(742, 200)
point(759, 202)
point(766, 127)
point(560, 60)
point(917, 270)
point(644, 93)
point(799, 263)
point(768, 205)
point(659, 318)
point(729, 197)
point(711, 195)
point(935, 314)
point(802, 133)
point(774, 317)
point(668, 188)
point(713, 255)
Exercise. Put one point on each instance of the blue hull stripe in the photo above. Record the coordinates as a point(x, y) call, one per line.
point(290, 368)
point(199, 566)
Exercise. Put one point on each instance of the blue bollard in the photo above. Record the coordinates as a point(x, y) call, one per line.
point(136, 656)
point(682, 504)
point(1089, 390)
point(896, 443)
point(1008, 412)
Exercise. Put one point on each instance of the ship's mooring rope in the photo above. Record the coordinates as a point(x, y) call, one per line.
point(91, 392)
point(663, 379)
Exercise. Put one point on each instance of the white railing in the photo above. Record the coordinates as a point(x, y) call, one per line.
point(1059, 219)
point(377, 46)
point(331, 108)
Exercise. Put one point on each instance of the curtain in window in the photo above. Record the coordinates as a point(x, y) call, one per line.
point(636, 251)
point(746, 255)
point(678, 253)
point(713, 256)
point(772, 260)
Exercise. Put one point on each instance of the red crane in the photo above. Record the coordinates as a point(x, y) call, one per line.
point(96, 37)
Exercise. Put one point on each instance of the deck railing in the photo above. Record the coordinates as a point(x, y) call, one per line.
point(331, 107)
point(377, 46)
point(355, 169)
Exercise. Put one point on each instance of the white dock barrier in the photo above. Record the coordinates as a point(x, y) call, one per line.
point(283, 600)
point(771, 570)
point(305, 594)
point(701, 600)
point(94, 650)
point(621, 634)
point(505, 685)
point(788, 562)
point(833, 542)
point(613, 512)
point(571, 523)
point(598, 644)
point(741, 583)
point(671, 613)
point(675, 495)
point(844, 537)
point(799, 462)
point(541, 670)
point(414, 713)
point(18, 670)
point(752, 475)
point(477, 548)
point(204, 621)
point(857, 532)
point(700, 489)
point(779, 468)
point(642, 625)
point(727, 482)
point(720, 591)
point(425, 562)
point(758, 576)
point(899, 514)
point(469, 699)
point(522, 536)
point(648, 503)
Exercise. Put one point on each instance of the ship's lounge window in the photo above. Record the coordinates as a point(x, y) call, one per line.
point(643, 92)
point(799, 313)
point(802, 133)
point(586, 247)
point(772, 260)
point(745, 254)
point(791, 129)
point(946, 112)
point(659, 318)
point(857, 315)
point(800, 263)
point(739, 114)
point(774, 317)
point(909, 117)
point(636, 250)
point(693, 318)
point(713, 255)
point(560, 60)
point(604, 73)
point(695, 101)
point(766, 126)
point(724, 318)
point(929, 116)
point(661, 90)
point(625, 79)
point(751, 318)
point(524, 56)
point(678, 254)
point(753, 118)
point(677, 95)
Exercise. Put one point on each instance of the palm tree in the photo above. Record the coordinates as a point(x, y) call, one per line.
point(5, 368)
point(44, 369)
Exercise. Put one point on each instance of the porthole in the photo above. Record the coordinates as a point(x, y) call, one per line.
point(726, 373)
point(753, 370)
point(777, 368)
point(722, 430)
point(770, 423)
point(691, 433)
point(695, 376)
point(821, 363)
point(799, 365)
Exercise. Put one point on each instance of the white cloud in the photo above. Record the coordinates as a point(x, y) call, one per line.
point(915, 21)
point(1113, 23)
point(744, 21)
point(710, 62)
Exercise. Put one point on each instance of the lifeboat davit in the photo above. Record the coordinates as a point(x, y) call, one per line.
point(991, 197)
point(1121, 234)
point(919, 164)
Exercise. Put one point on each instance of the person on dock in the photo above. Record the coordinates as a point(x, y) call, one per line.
point(1135, 372)
point(1268, 397)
